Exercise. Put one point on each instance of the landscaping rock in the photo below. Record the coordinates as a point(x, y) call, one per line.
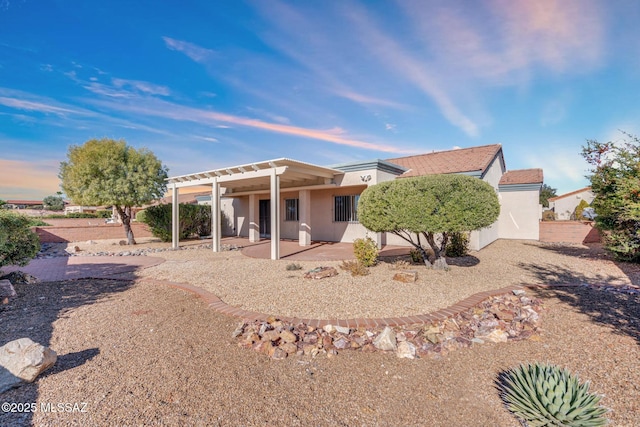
point(406, 276)
point(20, 278)
point(6, 289)
point(23, 360)
point(406, 350)
point(386, 340)
point(321, 273)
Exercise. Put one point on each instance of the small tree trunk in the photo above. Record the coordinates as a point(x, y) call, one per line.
point(125, 216)
point(440, 262)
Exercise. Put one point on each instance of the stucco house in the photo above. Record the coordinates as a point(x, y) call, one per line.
point(564, 205)
point(290, 199)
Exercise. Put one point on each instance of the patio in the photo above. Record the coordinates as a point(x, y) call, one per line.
point(318, 251)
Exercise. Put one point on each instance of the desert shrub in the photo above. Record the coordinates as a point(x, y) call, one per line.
point(578, 210)
point(545, 395)
point(399, 264)
point(356, 268)
point(458, 245)
point(37, 222)
point(104, 213)
point(194, 220)
point(366, 251)
point(416, 256)
point(548, 215)
point(72, 215)
point(18, 244)
point(293, 266)
point(141, 216)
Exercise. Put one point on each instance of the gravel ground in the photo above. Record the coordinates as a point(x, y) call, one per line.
point(266, 286)
point(142, 354)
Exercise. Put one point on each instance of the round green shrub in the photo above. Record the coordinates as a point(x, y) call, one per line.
point(366, 251)
point(18, 244)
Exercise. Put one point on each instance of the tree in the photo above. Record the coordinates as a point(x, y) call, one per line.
point(546, 192)
point(430, 207)
point(2, 204)
point(53, 203)
point(18, 244)
point(615, 181)
point(109, 172)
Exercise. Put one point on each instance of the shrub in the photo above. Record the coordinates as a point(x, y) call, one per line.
point(458, 245)
point(18, 244)
point(578, 211)
point(545, 395)
point(141, 216)
point(293, 266)
point(548, 215)
point(366, 251)
point(105, 213)
point(37, 222)
point(356, 268)
point(194, 220)
point(416, 256)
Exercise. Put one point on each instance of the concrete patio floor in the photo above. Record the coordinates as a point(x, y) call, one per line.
point(317, 251)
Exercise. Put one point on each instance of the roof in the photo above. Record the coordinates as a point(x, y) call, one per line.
point(474, 159)
point(522, 176)
point(562, 196)
point(24, 202)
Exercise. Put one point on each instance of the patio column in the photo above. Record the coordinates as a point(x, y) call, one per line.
point(304, 217)
point(215, 216)
point(275, 215)
point(175, 217)
point(254, 227)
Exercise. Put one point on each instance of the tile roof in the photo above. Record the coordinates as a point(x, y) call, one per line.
point(474, 159)
point(562, 196)
point(522, 176)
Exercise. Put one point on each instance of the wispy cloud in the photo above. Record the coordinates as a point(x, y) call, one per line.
point(140, 86)
point(370, 100)
point(193, 51)
point(159, 108)
point(27, 102)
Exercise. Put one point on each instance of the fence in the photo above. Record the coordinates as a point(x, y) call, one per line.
point(569, 232)
point(79, 230)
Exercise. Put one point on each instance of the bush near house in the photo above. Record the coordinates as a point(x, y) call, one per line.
point(18, 244)
point(194, 220)
point(577, 213)
point(548, 215)
point(366, 251)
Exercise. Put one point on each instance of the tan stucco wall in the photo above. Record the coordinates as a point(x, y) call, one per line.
point(565, 206)
point(520, 214)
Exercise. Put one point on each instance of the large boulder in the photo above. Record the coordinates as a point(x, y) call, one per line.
point(23, 360)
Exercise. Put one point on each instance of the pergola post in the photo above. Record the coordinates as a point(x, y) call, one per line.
point(175, 217)
point(275, 215)
point(254, 227)
point(304, 217)
point(215, 216)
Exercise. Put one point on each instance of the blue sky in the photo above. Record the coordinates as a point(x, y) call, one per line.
point(207, 84)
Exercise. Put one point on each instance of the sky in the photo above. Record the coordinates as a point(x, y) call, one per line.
point(211, 84)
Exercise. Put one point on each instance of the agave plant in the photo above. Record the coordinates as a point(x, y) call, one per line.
point(547, 396)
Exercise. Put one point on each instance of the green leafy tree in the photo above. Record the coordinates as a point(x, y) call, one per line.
point(429, 207)
point(109, 172)
point(546, 192)
point(2, 204)
point(18, 244)
point(53, 203)
point(615, 181)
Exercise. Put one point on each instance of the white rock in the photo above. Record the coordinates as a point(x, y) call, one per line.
point(341, 329)
point(406, 350)
point(518, 292)
point(496, 335)
point(23, 360)
point(386, 340)
point(6, 289)
point(328, 328)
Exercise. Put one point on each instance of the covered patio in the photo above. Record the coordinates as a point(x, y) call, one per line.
point(252, 180)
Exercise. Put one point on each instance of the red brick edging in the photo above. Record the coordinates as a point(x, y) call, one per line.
point(215, 303)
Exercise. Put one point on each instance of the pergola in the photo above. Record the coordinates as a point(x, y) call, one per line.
point(253, 179)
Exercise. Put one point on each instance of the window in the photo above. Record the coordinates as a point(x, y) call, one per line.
point(290, 209)
point(345, 208)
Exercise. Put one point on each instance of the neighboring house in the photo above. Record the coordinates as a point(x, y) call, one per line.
point(289, 199)
point(565, 204)
point(82, 209)
point(23, 204)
